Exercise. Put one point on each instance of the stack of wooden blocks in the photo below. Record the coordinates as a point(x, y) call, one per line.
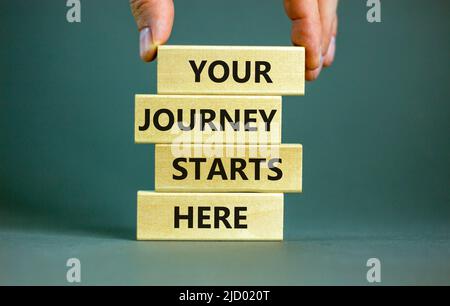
point(220, 167)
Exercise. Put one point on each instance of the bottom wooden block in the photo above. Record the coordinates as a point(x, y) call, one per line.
point(209, 216)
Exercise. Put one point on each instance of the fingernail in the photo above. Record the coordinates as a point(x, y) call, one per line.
point(329, 57)
point(333, 41)
point(146, 46)
point(332, 48)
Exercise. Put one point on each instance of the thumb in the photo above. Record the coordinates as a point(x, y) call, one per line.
point(307, 32)
point(154, 19)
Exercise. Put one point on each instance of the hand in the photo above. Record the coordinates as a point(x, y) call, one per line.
point(154, 19)
point(314, 26)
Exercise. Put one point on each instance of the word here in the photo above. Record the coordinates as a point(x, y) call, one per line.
point(209, 216)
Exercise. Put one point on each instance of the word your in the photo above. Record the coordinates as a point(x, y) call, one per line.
point(74, 13)
point(237, 166)
point(261, 69)
point(164, 119)
point(220, 216)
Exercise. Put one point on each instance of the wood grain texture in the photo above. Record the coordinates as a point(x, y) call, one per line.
point(261, 216)
point(237, 119)
point(271, 70)
point(228, 168)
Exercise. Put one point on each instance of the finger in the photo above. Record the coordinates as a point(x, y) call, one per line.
point(327, 10)
point(154, 19)
point(306, 29)
point(329, 57)
point(313, 74)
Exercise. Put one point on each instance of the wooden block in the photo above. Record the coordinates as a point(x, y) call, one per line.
point(228, 168)
point(209, 216)
point(231, 70)
point(207, 119)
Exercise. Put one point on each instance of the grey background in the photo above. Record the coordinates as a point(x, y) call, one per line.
point(375, 130)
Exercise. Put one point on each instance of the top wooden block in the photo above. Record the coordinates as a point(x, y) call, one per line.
point(231, 70)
